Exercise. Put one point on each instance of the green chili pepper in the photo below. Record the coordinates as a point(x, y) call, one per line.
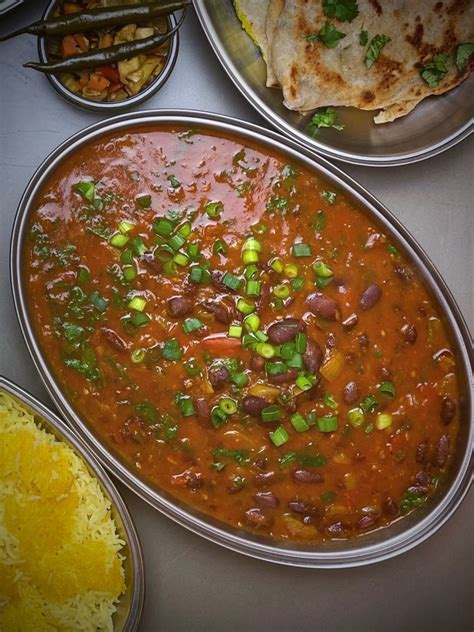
point(99, 18)
point(105, 56)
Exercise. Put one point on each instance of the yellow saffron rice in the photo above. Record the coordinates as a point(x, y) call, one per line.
point(60, 561)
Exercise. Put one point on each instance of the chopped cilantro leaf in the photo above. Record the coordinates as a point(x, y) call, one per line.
point(376, 45)
point(363, 38)
point(325, 117)
point(343, 10)
point(434, 71)
point(328, 35)
point(463, 53)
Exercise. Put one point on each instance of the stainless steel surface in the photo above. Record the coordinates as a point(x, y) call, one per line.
point(129, 609)
point(191, 583)
point(7, 5)
point(435, 125)
point(119, 106)
point(373, 547)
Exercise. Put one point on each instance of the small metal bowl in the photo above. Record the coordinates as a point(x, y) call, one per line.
point(130, 606)
point(119, 106)
point(378, 545)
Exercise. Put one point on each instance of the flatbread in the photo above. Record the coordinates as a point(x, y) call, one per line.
point(275, 7)
point(313, 76)
point(253, 15)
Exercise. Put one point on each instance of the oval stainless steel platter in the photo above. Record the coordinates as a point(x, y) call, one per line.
point(435, 125)
point(379, 545)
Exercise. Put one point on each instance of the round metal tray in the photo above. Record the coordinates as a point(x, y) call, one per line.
point(130, 606)
point(435, 125)
point(378, 545)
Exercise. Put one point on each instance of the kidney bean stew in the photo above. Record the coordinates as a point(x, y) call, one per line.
point(244, 337)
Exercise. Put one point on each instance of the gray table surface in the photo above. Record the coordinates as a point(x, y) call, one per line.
point(193, 584)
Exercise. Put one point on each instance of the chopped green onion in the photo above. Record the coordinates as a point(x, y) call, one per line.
point(239, 379)
point(287, 350)
point(299, 423)
point(301, 341)
point(297, 283)
point(250, 272)
point(301, 250)
point(387, 389)
point(228, 405)
point(143, 201)
point(192, 367)
point(185, 404)
point(86, 189)
point(176, 242)
point(231, 281)
point(271, 413)
point(235, 331)
point(245, 307)
point(253, 287)
point(259, 228)
point(138, 319)
point(249, 257)
point(98, 302)
point(181, 259)
point(169, 268)
point(191, 324)
point(127, 257)
point(138, 355)
point(327, 424)
point(218, 417)
point(356, 417)
point(281, 291)
point(125, 227)
point(129, 273)
point(277, 265)
point(329, 401)
point(305, 382)
point(291, 270)
point(163, 227)
point(174, 182)
point(279, 437)
point(214, 209)
point(322, 270)
point(252, 322)
point(321, 282)
point(193, 250)
point(118, 240)
point(276, 368)
point(384, 420)
point(185, 230)
point(172, 350)
point(368, 429)
point(265, 350)
point(369, 404)
point(296, 361)
point(219, 247)
point(199, 275)
point(137, 303)
point(252, 244)
point(320, 221)
point(138, 246)
point(262, 336)
point(83, 275)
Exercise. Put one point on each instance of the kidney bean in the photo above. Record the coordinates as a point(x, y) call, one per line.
point(442, 451)
point(300, 507)
point(194, 481)
point(203, 409)
point(283, 378)
point(404, 274)
point(350, 322)
point(267, 500)
point(223, 312)
point(149, 261)
point(366, 522)
point(409, 333)
point(253, 405)
point(313, 356)
point(370, 296)
point(422, 478)
point(284, 331)
point(351, 393)
point(179, 306)
point(257, 519)
point(261, 464)
point(113, 339)
point(216, 278)
point(263, 479)
point(448, 410)
point(322, 306)
point(421, 452)
point(257, 363)
point(218, 376)
point(305, 476)
point(336, 529)
point(390, 508)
